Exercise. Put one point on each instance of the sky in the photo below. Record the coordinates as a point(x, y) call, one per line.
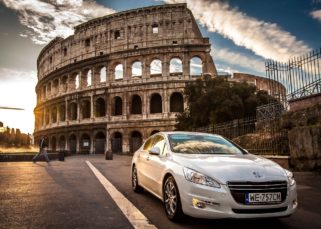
point(243, 34)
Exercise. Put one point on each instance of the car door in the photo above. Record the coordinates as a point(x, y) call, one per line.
point(142, 165)
point(156, 166)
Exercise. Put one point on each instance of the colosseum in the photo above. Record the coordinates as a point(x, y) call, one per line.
point(119, 79)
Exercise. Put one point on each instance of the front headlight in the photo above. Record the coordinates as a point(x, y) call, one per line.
point(199, 178)
point(290, 177)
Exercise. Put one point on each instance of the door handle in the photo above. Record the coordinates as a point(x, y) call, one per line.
point(147, 158)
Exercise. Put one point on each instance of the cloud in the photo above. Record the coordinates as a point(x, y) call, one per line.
point(48, 19)
point(238, 59)
point(265, 39)
point(7, 74)
point(316, 15)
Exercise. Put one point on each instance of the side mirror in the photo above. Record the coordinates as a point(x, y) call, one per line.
point(154, 151)
point(246, 151)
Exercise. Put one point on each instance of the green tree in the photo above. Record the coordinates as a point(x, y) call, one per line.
point(215, 100)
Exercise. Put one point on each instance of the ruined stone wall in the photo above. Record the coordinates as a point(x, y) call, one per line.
point(274, 88)
point(119, 79)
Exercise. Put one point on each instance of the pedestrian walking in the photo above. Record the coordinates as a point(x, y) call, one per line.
point(43, 144)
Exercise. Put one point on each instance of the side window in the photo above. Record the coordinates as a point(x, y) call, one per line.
point(148, 144)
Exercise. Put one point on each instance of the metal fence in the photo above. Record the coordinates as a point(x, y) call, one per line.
point(258, 137)
point(301, 76)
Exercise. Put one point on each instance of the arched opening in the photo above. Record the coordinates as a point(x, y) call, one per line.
point(55, 86)
point(137, 68)
point(47, 117)
point(175, 66)
point(73, 111)
point(196, 66)
point(77, 81)
point(85, 109)
point(44, 92)
point(49, 88)
point(103, 75)
point(176, 102)
point(100, 143)
point(72, 144)
point(117, 143)
point(62, 142)
point(54, 115)
point(156, 67)
point(85, 144)
point(136, 141)
point(156, 104)
point(64, 83)
point(136, 106)
point(53, 144)
point(89, 78)
point(118, 106)
point(119, 72)
point(62, 112)
point(100, 107)
point(154, 132)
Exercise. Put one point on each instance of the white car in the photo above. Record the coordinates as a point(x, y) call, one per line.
point(208, 176)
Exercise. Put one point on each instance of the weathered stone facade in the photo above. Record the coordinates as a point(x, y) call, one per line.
point(119, 79)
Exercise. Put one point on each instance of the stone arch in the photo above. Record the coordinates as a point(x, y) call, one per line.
point(175, 66)
point(117, 142)
point(136, 140)
point(44, 91)
point(119, 72)
point(47, 116)
point(53, 143)
point(156, 103)
point(62, 112)
point(64, 83)
point(62, 142)
point(85, 109)
point(55, 86)
point(136, 105)
point(72, 143)
point(72, 111)
point(89, 78)
point(100, 143)
point(49, 88)
point(118, 106)
point(54, 114)
point(137, 68)
point(176, 102)
point(196, 66)
point(85, 143)
point(103, 75)
point(156, 67)
point(100, 108)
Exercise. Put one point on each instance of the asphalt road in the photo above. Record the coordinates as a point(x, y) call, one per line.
point(68, 195)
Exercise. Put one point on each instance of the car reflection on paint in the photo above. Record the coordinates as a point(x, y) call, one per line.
point(208, 176)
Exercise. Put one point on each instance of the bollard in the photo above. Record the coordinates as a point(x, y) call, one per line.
point(109, 155)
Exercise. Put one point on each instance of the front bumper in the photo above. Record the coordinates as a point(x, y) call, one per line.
point(213, 203)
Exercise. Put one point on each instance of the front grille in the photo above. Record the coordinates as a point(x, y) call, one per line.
point(259, 211)
point(239, 189)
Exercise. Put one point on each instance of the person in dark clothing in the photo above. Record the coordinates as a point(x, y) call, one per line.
point(43, 144)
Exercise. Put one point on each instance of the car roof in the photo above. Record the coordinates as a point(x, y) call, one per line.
point(187, 132)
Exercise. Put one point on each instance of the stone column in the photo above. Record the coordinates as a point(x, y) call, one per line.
point(92, 112)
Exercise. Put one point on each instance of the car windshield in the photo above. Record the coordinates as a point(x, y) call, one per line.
point(201, 144)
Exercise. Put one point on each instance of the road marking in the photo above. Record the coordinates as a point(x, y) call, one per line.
point(135, 217)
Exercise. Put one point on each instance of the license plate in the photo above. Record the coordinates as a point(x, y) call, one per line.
point(261, 198)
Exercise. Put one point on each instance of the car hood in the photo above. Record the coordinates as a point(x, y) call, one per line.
point(224, 168)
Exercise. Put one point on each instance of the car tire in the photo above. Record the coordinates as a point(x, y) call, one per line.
point(172, 201)
point(135, 185)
